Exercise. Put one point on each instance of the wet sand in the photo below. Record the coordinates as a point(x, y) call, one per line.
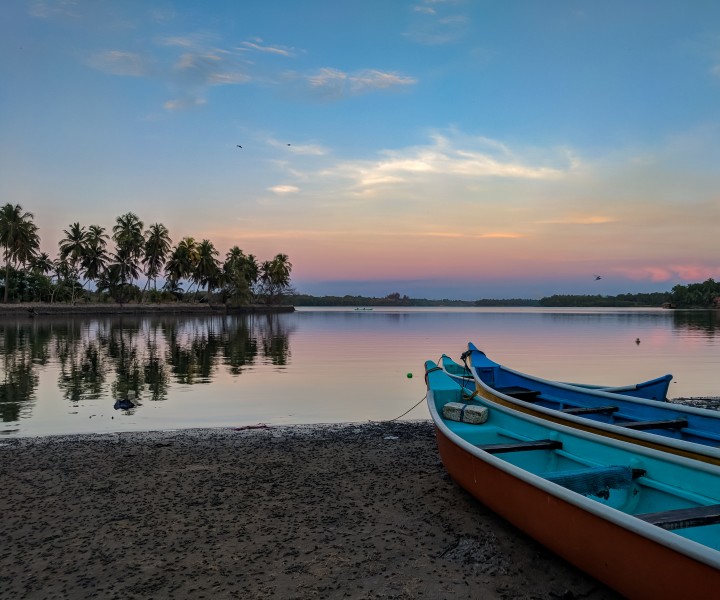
point(351, 511)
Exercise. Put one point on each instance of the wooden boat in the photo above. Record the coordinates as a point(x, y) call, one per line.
point(644, 522)
point(678, 429)
point(653, 389)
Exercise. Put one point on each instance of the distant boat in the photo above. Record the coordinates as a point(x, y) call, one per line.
point(363, 308)
point(644, 522)
point(678, 429)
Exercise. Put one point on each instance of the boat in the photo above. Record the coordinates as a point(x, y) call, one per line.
point(653, 389)
point(644, 522)
point(683, 430)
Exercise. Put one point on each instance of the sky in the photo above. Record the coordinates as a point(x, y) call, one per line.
point(435, 148)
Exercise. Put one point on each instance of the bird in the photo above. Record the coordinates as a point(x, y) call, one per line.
point(597, 277)
point(239, 146)
point(637, 341)
point(288, 144)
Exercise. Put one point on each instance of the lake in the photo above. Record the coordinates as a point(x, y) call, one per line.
point(63, 375)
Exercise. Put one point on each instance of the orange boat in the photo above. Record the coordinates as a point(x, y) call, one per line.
point(644, 522)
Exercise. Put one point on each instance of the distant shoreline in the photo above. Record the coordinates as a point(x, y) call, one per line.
point(35, 309)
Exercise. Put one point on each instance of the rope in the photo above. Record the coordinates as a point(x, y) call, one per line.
point(402, 415)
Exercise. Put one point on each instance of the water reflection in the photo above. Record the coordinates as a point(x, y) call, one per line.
point(706, 322)
point(129, 360)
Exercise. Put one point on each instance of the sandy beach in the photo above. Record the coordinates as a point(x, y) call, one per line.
point(341, 511)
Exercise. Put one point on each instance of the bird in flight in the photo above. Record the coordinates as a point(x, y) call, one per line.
point(239, 146)
point(597, 277)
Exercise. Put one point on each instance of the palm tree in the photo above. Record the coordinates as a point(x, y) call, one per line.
point(97, 236)
point(275, 276)
point(207, 268)
point(42, 264)
point(18, 237)
point(72, 246)
point(234, 259)
point(129, 242)
point(183, 259)
point(281, 268)
point(95, 259)
point(240, 273)
point(72, 249)
point(157, 248)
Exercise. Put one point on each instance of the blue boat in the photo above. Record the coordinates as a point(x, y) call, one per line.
point(643, 521)
point(653, 389)
point(678, 429)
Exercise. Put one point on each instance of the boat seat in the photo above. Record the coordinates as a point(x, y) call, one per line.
point(595, 481)
point(590, 410)
point(520, 393)
point(521, 446)
point(666, 424)
point(681, 518)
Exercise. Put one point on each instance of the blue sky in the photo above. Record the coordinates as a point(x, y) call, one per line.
point(441, 149)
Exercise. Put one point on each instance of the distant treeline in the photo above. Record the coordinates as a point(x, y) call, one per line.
point(623, 300)
point(619, 301)
point(389, 300)
point(694, 295)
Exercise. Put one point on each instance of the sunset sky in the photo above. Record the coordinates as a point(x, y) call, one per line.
point(436, 148)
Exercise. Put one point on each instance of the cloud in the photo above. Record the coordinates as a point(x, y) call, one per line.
point(284, 189)
point(258, 47)
point(457, 235)
point(684, 272)
point(183, 103)
point(501, 235)
point(580, 220)
point(118, 62)
point(45, 9)
point(432, 22)
point(188, 74)
point(335, 84)
point(488, 159)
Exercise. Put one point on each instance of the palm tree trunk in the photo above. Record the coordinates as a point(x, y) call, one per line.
point(7, 278)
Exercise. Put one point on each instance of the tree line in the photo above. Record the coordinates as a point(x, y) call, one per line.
point(89, 266)
point(597, 300)
point(697, 295)
point(693, 295)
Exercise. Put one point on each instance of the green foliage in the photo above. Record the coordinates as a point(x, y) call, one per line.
point(619, 301)
point(697, 295)
point(82, 255)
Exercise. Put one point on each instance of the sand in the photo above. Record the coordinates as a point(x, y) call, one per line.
point(341, 511)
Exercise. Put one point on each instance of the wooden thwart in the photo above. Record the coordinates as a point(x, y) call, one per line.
point(520, 393)
point(667, 424)
point(522, 446)
point(682, 518)
point(590, 410)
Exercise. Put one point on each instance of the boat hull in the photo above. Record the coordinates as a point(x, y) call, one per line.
point(607, 551)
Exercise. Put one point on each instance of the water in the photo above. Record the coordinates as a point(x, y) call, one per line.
point(79, 375)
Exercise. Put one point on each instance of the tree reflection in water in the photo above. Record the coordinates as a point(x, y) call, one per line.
point(131, 360)
point(706, 322)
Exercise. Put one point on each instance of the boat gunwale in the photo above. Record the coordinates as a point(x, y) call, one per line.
point(644, 438)
point(682, 408)
point(606, 389)
point(670, 540)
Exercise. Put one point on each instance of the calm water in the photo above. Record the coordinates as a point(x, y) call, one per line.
point(77, 375)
